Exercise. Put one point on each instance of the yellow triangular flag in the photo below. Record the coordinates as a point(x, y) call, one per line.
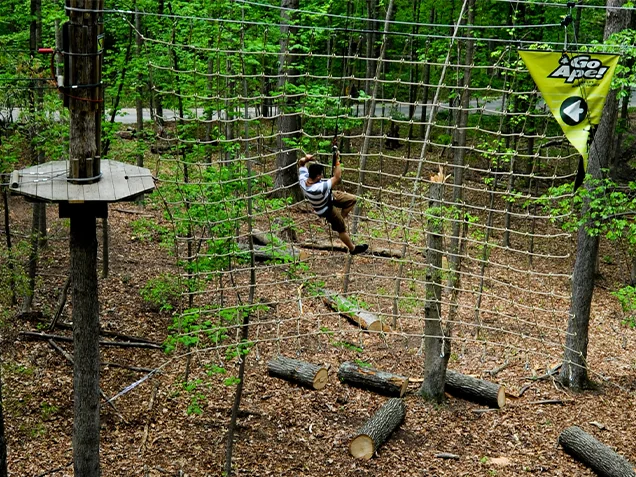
point(574, 85)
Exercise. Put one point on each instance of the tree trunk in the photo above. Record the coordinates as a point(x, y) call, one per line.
point(139, 105)
point(594, 454)
point(7, 231)
point(84, 147)
point(242, 352)
point(437, 344)
point(371, 49)
point(86, 345)
point(286, 179)
point(158, 99)
point(3, 441)
point(377, 429)
point(574, 370)
point(39, 208)
point(454, 259)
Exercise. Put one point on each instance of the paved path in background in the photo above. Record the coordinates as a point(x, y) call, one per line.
point(129, 115)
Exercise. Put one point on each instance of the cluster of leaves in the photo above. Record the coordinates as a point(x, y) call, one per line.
point(209, 327)
point(163, 293)
point(603, 209)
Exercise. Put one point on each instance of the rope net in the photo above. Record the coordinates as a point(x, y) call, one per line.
point(243, 92)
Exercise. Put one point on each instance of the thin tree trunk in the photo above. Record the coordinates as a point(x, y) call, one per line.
point(7, 230)
point(120, 88)
point(367, 138)
point(370, 50)
point(139, 105)
point(244, 331)
point(3, 441)
point(436, 343)
point(39, 210)
point(186, 173)
point(286, 178)
point(158, 100)
point(574, 373)
point(454, 259)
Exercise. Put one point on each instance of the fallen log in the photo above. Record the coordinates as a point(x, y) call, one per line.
point(377, 429)
point(69, 358)
point(310, 375)
point(265, 253)
point(111, 334)
point(365, 319)
point(475, 390)
point(381, 382)
point(121, 344)
point(594, 454)
point(336, 247)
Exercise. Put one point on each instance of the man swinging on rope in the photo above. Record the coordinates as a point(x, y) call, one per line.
point(320, 194)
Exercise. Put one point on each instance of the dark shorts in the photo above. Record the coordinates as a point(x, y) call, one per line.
point(341, 200)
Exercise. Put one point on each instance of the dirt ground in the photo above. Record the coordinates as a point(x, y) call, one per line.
point(287, 430)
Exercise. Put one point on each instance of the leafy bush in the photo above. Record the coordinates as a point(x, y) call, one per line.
point(163, 293)
point(627, 298)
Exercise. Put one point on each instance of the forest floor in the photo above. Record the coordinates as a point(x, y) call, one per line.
point(284, 429)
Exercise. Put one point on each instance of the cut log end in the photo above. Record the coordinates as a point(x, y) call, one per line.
point(405, 385)
point(501, 397)
point(321, 378)
point(361, 447)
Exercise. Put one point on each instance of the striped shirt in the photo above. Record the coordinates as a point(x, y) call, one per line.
point(317, 194)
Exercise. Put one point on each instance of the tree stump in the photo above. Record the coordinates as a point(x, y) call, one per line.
point(475, 390)
point(307, 374)
point(377, 429)
point(366, 319)
point(594, 454)
point(381, 382)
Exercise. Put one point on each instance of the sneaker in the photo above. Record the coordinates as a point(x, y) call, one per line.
point(359, 249)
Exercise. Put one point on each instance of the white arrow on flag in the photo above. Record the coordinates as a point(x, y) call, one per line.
point(574, 111)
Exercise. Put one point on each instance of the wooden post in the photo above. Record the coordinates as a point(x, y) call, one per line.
point(82, 86)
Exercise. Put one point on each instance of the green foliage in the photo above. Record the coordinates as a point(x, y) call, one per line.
point(627, 298)
point(349, 304)
point(147, 231)
point(362, 364)
point(609, 210)
point(197, 398)
point(163, 293)
point(348, 346)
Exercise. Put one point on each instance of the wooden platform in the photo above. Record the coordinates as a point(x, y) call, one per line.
point(48, 183)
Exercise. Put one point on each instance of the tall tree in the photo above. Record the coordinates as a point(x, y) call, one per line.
point(285, 182)
point(3, 441)
point(38, 226)
point(84, 147)
point(574, 371)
